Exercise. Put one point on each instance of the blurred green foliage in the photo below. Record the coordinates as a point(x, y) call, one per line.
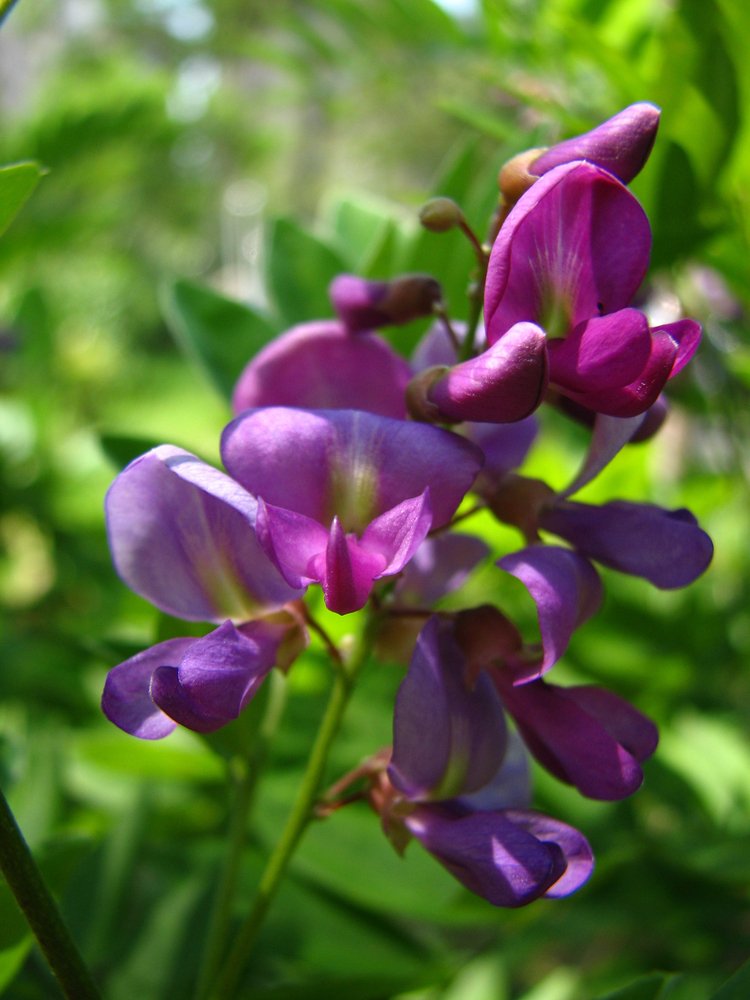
point(202, 153)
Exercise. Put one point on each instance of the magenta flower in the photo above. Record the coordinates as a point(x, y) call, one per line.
point(322, 366)
point(346, 497)
point(504, 384)
point(620, 145)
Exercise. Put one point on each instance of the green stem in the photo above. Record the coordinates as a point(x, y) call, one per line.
point(243, 785)
point(5, 8)
point(299, 818)
point(35, 900)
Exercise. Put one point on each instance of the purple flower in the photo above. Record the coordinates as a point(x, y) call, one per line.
point(449, 743)
point(322, 366)
point(620, 145)
point(567, 591)
point(201, 684)
point(666, 547)
point(182, 535)
point(346, 497)
point(585, 736)
point(449, 734)
point(508, 857)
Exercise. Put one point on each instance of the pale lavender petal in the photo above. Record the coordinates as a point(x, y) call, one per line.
point(449, 738)
point(182, 535)
point(574, 846)
point(490, 853)
point(215, 678)
point(439, 566)
point(435, 348)
point(595, 744)
point(320, 365)
point(567, 591)
point(347, 463)
point(576, 245)
point(126, 700)
point(621, 144)
point(502, 385)
point(610, 436)
point(666, 547)
point(603, 353)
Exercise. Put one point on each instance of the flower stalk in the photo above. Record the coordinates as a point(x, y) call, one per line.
point(35, 901)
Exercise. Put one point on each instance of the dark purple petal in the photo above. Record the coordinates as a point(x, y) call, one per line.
point(620, 145)
point(182, 535)
point(567, 592)
point(510, 788)
point(606, 352)
point(126, 700)
point(347, 463)
point(439, 566)
point(449, 738)
point(666, 547)
point(320, 366)
point(502, 385)
point(585, 736)
point(215, 678)
point(576, 245)
point(687, 335)
point(574, 846)
point(491, 854)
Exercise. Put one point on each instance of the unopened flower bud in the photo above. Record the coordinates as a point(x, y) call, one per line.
point(364, 305)
point(519, 501)
point(441, 214)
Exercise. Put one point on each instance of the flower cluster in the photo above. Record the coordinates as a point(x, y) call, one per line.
point(345, 467)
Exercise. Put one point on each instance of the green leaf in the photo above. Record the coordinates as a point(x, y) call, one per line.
point(220, 334)
point(651, 987)
point(121, 449)
point(736, 988)
point(17, 181)
point(300, 269)
point(12, 958)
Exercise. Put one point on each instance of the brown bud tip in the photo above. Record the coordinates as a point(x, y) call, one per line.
point(410, 296)
point(417, 395)
point(514, 178)
point(441, 214)
point(519, 501)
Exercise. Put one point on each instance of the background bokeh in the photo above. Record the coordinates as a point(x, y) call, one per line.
point(209, 152)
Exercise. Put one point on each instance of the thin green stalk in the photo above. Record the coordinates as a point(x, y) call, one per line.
point(5, 8)
point(242, 788)
point(299, 818)
point(35, 900)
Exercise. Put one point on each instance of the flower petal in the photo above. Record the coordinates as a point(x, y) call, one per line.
point(182, 535)
point(490, 853)
point(126, 700)
point(439, 566)
point(666, 547)
point(575, 246)
point(620, 145)
point(566, 590)
point(603, 353)
point(578, 856)
point(347, 463)
point(502, 385)
point(449, 738)
point(320, 365)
